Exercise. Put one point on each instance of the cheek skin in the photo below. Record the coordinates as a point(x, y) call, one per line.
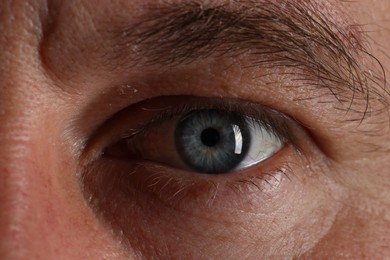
point(361, 229)
point(44, 214)
point(288, 219)
point(362, 226)
point(354, 235)
point(42, 210)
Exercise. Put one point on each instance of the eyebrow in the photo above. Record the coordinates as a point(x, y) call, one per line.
point(288, 34)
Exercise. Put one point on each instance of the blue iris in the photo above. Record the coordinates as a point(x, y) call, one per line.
point(212, 141)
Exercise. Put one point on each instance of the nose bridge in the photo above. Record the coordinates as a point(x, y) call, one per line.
point(29, 189)
point(35, 213)
point(20, 173)
point(15, 193)
point(22, 179)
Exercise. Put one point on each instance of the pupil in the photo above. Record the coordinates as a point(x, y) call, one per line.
point(210, 137)
point(212, 141)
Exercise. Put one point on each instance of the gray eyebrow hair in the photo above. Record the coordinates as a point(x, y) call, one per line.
point(276, 34)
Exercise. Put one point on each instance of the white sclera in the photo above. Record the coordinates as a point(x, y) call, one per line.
point(263, 144)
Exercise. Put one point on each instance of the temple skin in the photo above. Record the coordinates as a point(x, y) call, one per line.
point(64, 74)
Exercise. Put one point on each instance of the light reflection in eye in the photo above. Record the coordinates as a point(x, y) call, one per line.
point(206, 140)
point(214, 141)
point(264, 144)
point(203, 148)
point(208, 136)
point(238, 139)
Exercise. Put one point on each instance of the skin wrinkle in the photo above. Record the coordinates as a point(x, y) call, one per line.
point(70, 232)
point(300, 36)
point(117, 49)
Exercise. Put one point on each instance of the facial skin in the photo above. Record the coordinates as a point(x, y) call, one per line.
point(78, 78)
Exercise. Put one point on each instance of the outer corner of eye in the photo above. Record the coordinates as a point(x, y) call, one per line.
point(194, 142)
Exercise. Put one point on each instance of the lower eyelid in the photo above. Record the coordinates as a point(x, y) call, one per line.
point(181, 189)
point(188, 191)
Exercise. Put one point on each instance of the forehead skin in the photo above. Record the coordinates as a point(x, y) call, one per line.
point(55, 63)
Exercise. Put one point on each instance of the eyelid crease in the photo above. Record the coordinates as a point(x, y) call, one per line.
point(328, 52)
point(176, 189)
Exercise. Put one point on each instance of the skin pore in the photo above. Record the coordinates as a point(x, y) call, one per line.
point(91, 93)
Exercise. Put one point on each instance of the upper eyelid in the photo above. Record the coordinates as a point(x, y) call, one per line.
point(272, 120)
point(114, 49)
point(139, 117)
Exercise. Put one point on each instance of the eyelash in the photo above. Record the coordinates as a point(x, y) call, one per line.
point(167, 186)
point(273, 121)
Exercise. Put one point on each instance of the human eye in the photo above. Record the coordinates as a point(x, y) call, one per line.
point(184, 165)
point(209, 136)
point(215, 141)
point(230, 140)
point(184, 149)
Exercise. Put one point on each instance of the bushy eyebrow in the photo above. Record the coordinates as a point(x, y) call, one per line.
point(276, 34)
